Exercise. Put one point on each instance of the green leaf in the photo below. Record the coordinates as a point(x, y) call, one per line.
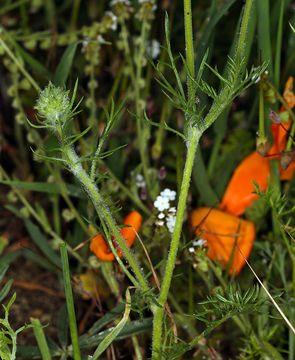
point(49, 188)
point(131, 328)
point(7, 259)
point(42, 242)
point(3, 269)
point(62, 326)
point(28, 352)
point(5, 290)
point(64, 66)
point(107, 318)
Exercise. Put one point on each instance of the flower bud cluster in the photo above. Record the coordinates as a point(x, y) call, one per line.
point(122, 9)
point(146, 10)
point(167, 213)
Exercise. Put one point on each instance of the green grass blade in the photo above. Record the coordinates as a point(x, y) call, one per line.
point(201, 181)
point(107, 318)
point(42, 242)
point(263, 28)
point(279, 47)
point(41, 340)
point(70, 302)
point(49, 188)
point(65, 64)
point(115, 332)
point(5, 290)
point(3, 269)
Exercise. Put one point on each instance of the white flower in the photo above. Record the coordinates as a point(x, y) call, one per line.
point(140, 182)
point(153, 48)
point(114, 19)
point(172, 210)
point(199, 242)
point(160, 222)
point(169, 194)
point(191, 249)
point(170, 222)
point(161, 203)
point(161, 215)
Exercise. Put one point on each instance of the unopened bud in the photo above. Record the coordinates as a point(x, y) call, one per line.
point(261, 146)
point(286, 159)
point(162, 173)
point(274, 117)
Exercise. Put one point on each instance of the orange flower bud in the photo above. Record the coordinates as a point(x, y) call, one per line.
point(100, 247)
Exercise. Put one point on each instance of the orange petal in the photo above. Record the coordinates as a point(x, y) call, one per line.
point(100, 248)
point(279, 134)
point(134, 220)
point(222, 231)
point(239, 193)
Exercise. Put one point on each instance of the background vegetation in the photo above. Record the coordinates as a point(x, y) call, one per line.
point(103, 105)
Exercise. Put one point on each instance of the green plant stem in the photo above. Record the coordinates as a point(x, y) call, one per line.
point(92, 121)
point(189, 42)
point(70, 302)
point(279, 47)
point(74, 14)
point(64, 194)
point(136, 348)
point(107, 272)
point(139, 126)
point(159, 310)
point(263, 27)
point(56, 213)
point(103, 212)
point(41, 340)
point(131, 196)
point(261, 134)
point(20, 66)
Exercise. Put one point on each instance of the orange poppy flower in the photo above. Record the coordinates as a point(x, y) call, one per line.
point(100, 247)
point(239, 193)
point(222, 231)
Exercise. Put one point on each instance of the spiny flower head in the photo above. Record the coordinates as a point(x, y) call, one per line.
point(53, 104)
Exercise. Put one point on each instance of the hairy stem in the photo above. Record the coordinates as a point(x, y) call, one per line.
point(103, 212)
point(158, 313)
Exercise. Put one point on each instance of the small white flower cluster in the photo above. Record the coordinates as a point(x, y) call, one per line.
point(166, 212)
point(139, 181)
point(195, 244)
point(153, 48)
point(113, 18)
